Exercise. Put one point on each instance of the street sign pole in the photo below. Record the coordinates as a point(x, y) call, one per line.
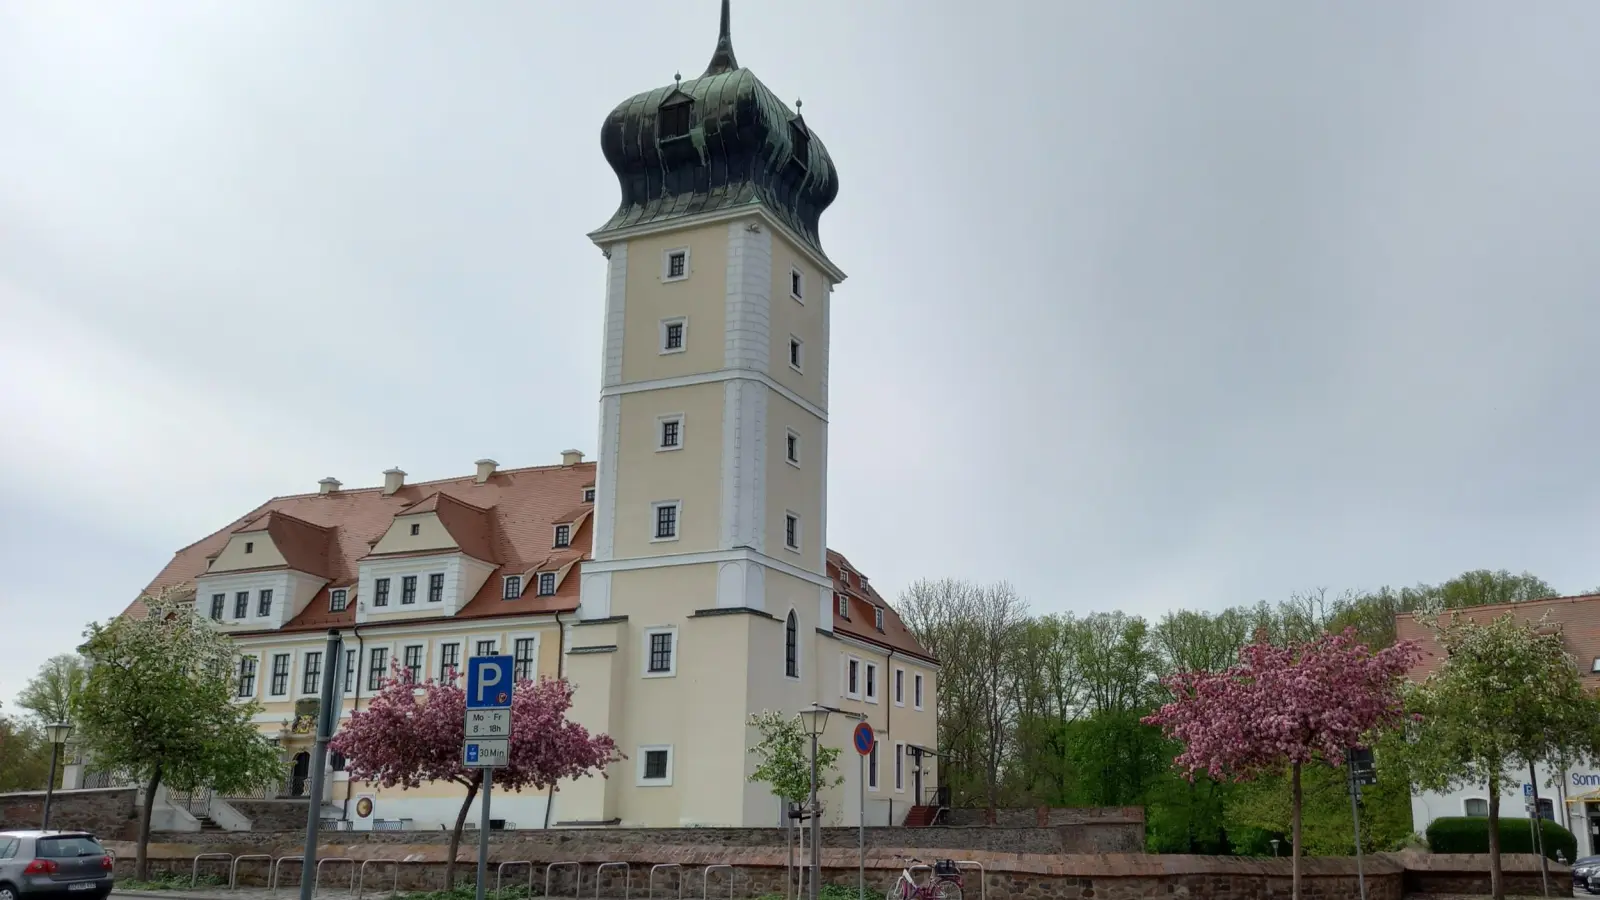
point(864, 741)
point(483, 833)
point(1359, 767)
point(486, 737)
point(327, 716)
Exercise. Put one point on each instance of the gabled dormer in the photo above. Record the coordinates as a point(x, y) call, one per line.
point(565, 527)
point(266, 573)
point(430, 561)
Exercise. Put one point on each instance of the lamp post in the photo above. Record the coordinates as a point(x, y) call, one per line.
point(57, 735)
point(817, 722)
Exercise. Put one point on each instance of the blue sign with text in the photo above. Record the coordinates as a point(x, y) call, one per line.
point(489, 682)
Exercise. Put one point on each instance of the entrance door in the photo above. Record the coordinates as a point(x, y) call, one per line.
point(916, 776)
point(302, 771)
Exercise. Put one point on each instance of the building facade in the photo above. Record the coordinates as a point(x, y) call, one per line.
point(1569, 796)
point(682, 582)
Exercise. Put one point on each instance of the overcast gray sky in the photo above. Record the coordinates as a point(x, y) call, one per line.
point(1151, 304)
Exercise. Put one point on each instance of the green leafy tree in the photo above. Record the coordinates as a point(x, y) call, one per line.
point(24, 755)
point(159, 704)
point(53, 693)
point(784, 757)
point(1506, 696)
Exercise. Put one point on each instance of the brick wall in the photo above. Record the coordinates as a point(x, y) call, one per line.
point(111, 813)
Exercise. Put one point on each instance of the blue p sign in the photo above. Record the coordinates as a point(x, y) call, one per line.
point(489, 682)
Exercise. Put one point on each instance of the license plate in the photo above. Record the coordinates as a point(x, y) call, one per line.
point(81, 886)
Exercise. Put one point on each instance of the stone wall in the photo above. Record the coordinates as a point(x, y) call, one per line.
point(110, 813)
point(273, 815)
point(1044, 816)
point(1468, 873)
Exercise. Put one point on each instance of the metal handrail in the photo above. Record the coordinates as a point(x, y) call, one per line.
point(361, 875)
point(705, 880)
point(627, 876)
point(317, 885)
point(983, 876)
point(277, 869)
point(233, 871)
point(194, 876)
point(652, 881)
point(500, 873)
point(576, 867)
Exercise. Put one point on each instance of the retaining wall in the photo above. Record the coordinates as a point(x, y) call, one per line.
point(108, 812)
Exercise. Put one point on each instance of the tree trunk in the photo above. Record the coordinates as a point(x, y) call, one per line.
point(1191, 814)
point(455, 834)
point(1294, 850)
point(1497, 885)
point(141, 861)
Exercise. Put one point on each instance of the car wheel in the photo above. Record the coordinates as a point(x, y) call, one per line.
point(7, 892)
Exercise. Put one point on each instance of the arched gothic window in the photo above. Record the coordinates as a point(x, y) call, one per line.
point(791, 646)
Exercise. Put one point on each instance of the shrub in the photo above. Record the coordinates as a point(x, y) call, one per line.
point(1470, 834)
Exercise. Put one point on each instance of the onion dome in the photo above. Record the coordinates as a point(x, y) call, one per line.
point(717, 142)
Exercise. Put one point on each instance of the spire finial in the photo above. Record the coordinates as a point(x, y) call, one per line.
point(723, 60)
point(677, 79)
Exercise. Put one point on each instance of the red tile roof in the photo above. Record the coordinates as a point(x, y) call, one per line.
point(863, 601)
point(1578, 618)
point(304, 545)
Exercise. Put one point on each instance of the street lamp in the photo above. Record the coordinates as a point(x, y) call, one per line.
point(1274, 843)
point(57, 735)
point(816, 719)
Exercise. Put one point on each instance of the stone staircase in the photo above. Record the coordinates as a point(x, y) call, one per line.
point(921, 816)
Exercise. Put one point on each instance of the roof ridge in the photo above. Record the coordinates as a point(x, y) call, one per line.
point(1512, 604)
point(378, 487)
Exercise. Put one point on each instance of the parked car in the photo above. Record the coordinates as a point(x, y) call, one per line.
point(1583, 869)
point(48, 864)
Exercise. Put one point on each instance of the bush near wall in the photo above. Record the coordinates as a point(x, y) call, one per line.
point(1464, 834)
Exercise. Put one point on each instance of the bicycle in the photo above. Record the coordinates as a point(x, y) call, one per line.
point(945, 884)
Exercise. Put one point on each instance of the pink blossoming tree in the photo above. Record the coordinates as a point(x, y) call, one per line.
point(1284, 708)
point(409, 740)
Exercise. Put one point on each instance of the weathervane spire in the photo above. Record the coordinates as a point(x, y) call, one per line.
point(723, 60)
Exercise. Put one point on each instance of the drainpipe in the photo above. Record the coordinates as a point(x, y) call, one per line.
point(888, 720)
point(561, 674)
point(361, 653)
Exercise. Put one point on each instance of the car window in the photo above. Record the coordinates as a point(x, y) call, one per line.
point(8, 847)
point(68, 846)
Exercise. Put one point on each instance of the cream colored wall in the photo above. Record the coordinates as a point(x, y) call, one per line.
point(263, 553)
point(431, 536)
point(791, 488)
point(702, 298)
point(803, 320)
point(692, 474)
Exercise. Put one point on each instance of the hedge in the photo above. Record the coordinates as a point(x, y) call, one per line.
point(1470, 834)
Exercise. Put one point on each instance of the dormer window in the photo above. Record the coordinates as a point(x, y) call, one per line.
point(513, 588)
point(249, 546)
point(801, 140)
point(879, 614)
point(675, 117)
point(338, 599)
point(844, 606)
point(563, 535)
point(416, 528)
point(588, 495)
point(547, 583)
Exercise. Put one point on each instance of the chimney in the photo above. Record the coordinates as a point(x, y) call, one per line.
point(571, 457)
point(486, 468)
point(393, 480)
point(328, 485)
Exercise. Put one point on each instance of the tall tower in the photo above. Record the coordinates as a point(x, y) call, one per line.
point(708, 582)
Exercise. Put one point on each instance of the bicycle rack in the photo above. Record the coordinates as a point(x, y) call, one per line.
point(627, 876)
point(317, 885)
point(233, 871)
point(194, 875)
point(705, 881)
point(983, 876)
point(361, 875)
point(277, 869)
point(500, 873)
point(577, 869)
point(652, 881)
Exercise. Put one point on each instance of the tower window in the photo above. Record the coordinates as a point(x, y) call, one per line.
point(797, 359)
point(661, 645)
point(791, 531)
point(672, 333)
point(675, 264)
point(671, 433)
point(797, 285)
point(666, 521)
point(563, 535)
point(675, 117)
point(802, 143)
point(791, 646)
point(791, 448)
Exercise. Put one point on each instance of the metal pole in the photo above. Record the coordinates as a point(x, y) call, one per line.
point(816, 822)
point(327, 716)
point(483, 833)
point(50, 786)
point(1538, 830)
point(1355, 815)
point(861, 836)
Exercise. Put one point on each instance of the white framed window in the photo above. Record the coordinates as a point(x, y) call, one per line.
point(669, 432)
point(674, 335)
point(665, 518)
point(338, 599)
point(675, 264)
point(311, 673)
point(547, 583)
point(899, 687)
point(245, 678)
point(281, 664)
point(872, 682)
point(512, 589)
point(916, 689)
point(844, 606)
point(797, 354)
point(525, 657)
point(655, 765)
point(1476, 807)
point(449, 660)
point(872, 766)
point(877, 615)
point(486, 647)
point(563, 536)
point(852, 678)
point(588, 495)
point(797, 284)
point(900, 767)
point(412, 662)
point(791, 531)
point(791, 448)
point(660, 652)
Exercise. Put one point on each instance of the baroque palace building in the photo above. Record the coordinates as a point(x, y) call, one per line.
point(682, 581)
